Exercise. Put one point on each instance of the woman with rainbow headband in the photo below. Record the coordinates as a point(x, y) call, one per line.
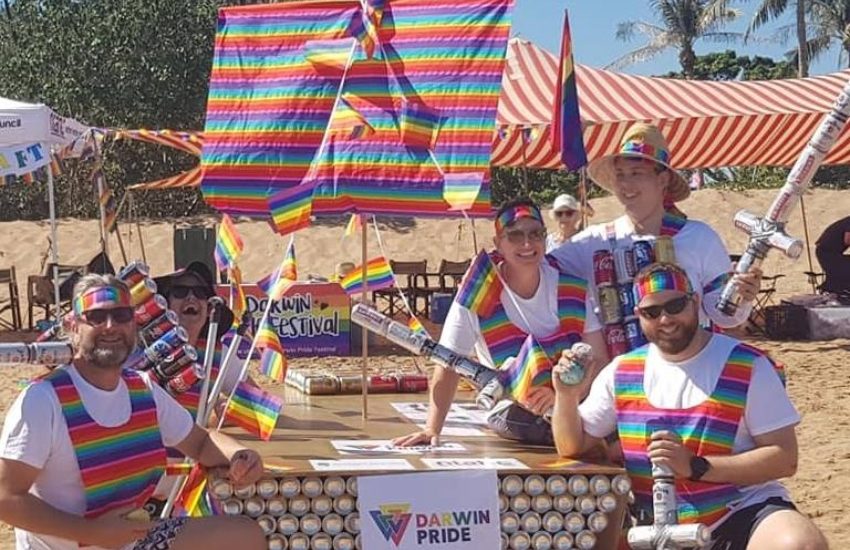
point(494, 322)
point(60, 495)
point(709, 407)
point(641, 178)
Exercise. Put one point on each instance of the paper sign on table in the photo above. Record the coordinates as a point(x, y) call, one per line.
point(360, 464)
point(474, 464)
point(385, 446)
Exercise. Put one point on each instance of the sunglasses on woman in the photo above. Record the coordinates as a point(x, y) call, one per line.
point(518, 236)
point(119, 315)
point(181, 292)
point(672, 307)
point(564, 213)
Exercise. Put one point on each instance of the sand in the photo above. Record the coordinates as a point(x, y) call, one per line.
point(818, 379)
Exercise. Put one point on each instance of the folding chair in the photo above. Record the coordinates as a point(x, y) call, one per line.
point(404, 273)
point(12, 302)
point(40, 289)
point(445, 280)
point(757, 322)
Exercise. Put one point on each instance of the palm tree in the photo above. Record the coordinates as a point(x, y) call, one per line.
point(683, 23)
point(829, 23)
point(772, 9)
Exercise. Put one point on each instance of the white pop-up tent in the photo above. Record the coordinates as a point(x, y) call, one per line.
point(29, 134)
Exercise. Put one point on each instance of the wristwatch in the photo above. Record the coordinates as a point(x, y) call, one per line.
point(699, 466)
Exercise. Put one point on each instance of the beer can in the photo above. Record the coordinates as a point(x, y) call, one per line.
point(179, 359)
point(321, 385)
point(351, 486)
point(343, 541)
point(534, 485)
point(563, 503)
point(254, 506)
point(276, 506)
point(14, 353)
point(276, 541)
point(142, 291)
point(287, 524)
point(562, 541)
point(134, 273)
point(321, 541)
point(185, 379)
point(267, 523)
point(615, 338)
point(299, 505)
point(503, 503)
point(553, 521)
point(332, 524)
point(246, 491)
point(621, 484)
point(299, 541)
point(232, 507)
point(334, 486)
point(267, 488)
point(541, 541)
point(597, 522)
point(350, 384)
point(556, 485)
point(51, 353)
point(531, 522)
point(644, 255)
point(321, 505)
point(383, 384)
point(603, 268)
point(541, 503)
point(221, 489)
point(159, 326)
point(289, 487)
point(504, 541)
point(578, 485)
point(586, 504)
point(352, 523)
point(600, 484)
point(412, 383)
point(512, 485)
point(610, 311)
point(150, 310)
point(664, 251)
point(310, 524)
point(634, 335)
point(174, 338)
point(625, 266)
point(344, 504)
point(520, 541)
point(520, 503)
point(585, 540)
point(311, 487)
point(509, 522)
point(357, 544)
point(573, 522)
point(626, 295)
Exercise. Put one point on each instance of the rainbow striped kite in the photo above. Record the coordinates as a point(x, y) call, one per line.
point(275, 78)
point(254, 410)
point(481, 288)
point(567, 134)
point(228, 244)
point(530, 368)
point(378, 276)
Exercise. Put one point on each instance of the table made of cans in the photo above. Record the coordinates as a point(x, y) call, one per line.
point(549, 503)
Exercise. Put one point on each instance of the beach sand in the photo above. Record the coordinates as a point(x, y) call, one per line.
point(818, 376)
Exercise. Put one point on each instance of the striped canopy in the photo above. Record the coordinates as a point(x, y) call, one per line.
point(708, 124)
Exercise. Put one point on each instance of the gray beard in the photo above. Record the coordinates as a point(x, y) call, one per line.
point(107, 358)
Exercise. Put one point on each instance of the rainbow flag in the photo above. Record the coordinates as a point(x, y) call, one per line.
point(364, 30)
point(355, 223)
point(276, 283)
point(254, 410)
point(460, 190)
point(420, 125)
point(291, 208)
point(567, 131)
point(289, 269)
point(348, 122)
point(228, 244)
point(375, 11)
point(238, 303)
point(481, 287)
point(378, 276)
point(329, 55)
point(530, 134)
point(529, 369)
point(192, 502)
point(415, 324)
point(268, 109)
point(273, 364)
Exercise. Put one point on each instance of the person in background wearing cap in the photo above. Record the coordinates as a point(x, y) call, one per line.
point(565, 212)
point(56, 493)
point(539, 300)
point(641, 178)
point(708, 406)
point(188, 291)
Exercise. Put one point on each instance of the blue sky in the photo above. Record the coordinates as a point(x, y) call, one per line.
point(594, 24)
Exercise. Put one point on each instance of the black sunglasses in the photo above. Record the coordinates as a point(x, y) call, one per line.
point(181, 292)
point(119, 315)
point(673, 307)
point(564, 213)
point(518, 236)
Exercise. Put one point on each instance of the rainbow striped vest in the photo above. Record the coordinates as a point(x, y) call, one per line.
point(119, 466)
point(706, 429)
point(504, 339)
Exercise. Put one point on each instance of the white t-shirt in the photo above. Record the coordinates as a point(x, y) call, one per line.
point(699, 251)
point(36, 434)
point(462, 332)
point(682, 385)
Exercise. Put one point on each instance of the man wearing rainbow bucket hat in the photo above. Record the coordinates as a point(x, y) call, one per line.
point(641, 178)
point(509, 300)
point(708, 406)
point(58, 494)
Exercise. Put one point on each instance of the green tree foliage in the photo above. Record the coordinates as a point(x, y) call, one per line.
point(728, 65)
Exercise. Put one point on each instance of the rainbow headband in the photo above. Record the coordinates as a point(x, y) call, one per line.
point(643, 148)
point(101, 297)
point(511, 215)
point(657, 281)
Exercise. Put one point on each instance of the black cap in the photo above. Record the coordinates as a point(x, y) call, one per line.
point(204, 276)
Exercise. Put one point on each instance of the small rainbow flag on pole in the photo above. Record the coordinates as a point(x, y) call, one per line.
point(328, 55)
point(420, 125)
point(481, 287)
point(276, 283)
point(237, 296)
point(363, 29)
point(254, 410)
point(273, 361)
point(291, 208)
point(347, 121)
point(228, 245)
point(375, 10)
point(355, 223)
point(567, 132)
point(289, 269)
point(530, 368)
point(378, 275)
point(461, 190)
point(191, 502)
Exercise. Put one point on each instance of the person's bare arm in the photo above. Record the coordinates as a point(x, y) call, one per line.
point(214, 449)
point(443, 388)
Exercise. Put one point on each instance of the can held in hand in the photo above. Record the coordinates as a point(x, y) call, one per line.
point(603, 268)
point(644, 255)
point(615, 338)
point(609, 305)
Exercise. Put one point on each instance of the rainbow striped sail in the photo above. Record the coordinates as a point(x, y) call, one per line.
point(530, 368)
point(269, 106)
point(460, 190)
point(228, 244)
point(481, 287)
point(254, 410)
point(291, 208)
point(567, 135)
point(378, 275)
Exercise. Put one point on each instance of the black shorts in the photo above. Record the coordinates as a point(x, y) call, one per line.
point(735, 532)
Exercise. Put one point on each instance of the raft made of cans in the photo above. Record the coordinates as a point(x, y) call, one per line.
point(327, 384)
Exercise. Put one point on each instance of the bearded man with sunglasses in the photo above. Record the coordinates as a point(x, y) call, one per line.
point(539, 300)
point(709, 407)
point(59, 494)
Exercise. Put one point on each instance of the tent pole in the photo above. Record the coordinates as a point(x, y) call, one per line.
point(364, 334)
point(54, 245)
point(808, 245)
point(135, 217)
point(98, 160)
point(118, 228)
point(582, 192)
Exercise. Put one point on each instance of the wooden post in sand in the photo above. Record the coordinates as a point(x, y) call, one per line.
point(364, 334)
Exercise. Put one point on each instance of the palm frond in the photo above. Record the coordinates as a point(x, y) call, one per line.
point(636, 56)
point(767, 11)
point(627, 30)
point(722, 37)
